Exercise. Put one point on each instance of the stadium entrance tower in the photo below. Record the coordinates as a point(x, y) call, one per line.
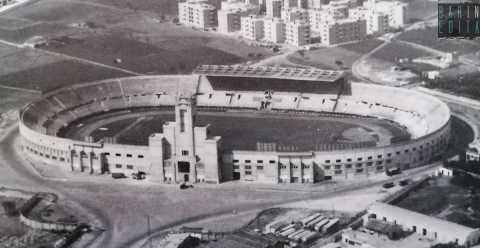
point(183, 152)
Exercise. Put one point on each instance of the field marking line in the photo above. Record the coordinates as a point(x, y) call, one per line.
point(132, 125)
point(77, 59)
point(87, 61)
point(20, 89)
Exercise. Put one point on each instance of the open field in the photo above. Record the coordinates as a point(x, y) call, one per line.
point(242, 131)
point(165, 57)
point(460, 79)
point(428, 37)
point(448, 199)
point(51, 76)
point(124, 34)
point(394, 51)
point(326, 58)
point(420, 9)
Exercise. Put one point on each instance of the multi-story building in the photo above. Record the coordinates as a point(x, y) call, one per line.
point(315, 17)
point(288, 4)
point(197, 14)
point(274, 30)
point(316, 4)
point(252, 27)
point(297, 33)
point(294, 14)
point(274, 8)
point(342, 30)
point(228, 21)
point(230, 14)
point(396, 11)
point(377, 22)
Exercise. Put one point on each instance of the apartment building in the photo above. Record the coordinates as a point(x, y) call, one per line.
point(252, 27)
point(274, 30)
point(297, 33)
point(343, 30)
point(197, 14)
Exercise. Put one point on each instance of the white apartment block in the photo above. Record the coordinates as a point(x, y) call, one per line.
point(297, 33)
point(274, 30)
point(274, 8)
point(396, 11)
point(230, 14)
point(228, 21)
point(253, 2)
point(343, 30)
point(377, 22)
point(316, 4)
point(252, 27)
point(288, 4)
point(197, 14)
point(295, 14)
point(315, 17)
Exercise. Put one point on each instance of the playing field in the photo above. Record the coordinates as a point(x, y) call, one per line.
point(242, 130)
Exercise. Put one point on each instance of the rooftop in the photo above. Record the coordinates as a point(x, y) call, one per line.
point(405, 214)
point(269, 72)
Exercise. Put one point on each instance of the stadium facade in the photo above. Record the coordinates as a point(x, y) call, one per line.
point(184, 152)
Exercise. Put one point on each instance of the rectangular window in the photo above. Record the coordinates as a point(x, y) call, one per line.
point(248, 167)
point(129, 155)
point(379, 156)
point(140, 156)
point(327, 161)
point(259, 161)
point(259, 167)
point(338, 160)
point(182, 120)
point(118, 154)
point(272, 161)
point(369, 157)
point(184, 153)
point(118, 166)
point(248, 173)
point(235, 167)
point(235, 160)
point(248, 161)
point(129, 166)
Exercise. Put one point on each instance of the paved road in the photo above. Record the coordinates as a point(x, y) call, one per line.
point(9, 157)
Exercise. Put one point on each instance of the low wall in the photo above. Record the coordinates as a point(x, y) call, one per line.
point(46, 226)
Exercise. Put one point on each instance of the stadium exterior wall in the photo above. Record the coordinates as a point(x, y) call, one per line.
point(275, 167)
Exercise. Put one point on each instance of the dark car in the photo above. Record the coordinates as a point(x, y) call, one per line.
point(185, 186)
point(404, 182)
point(118, 175)
point(388, 185)
point(139, 175)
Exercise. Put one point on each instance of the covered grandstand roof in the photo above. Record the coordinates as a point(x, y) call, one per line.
point(270, 72)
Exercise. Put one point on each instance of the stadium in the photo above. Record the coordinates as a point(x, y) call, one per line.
point(223, 123)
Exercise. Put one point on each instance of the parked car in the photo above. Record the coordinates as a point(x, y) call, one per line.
point(139, 175)
point(404, 182)
point(185, 186)
point(388, 185)
point(118, 175)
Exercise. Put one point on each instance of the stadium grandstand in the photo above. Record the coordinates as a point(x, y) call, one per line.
point(199, 157)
